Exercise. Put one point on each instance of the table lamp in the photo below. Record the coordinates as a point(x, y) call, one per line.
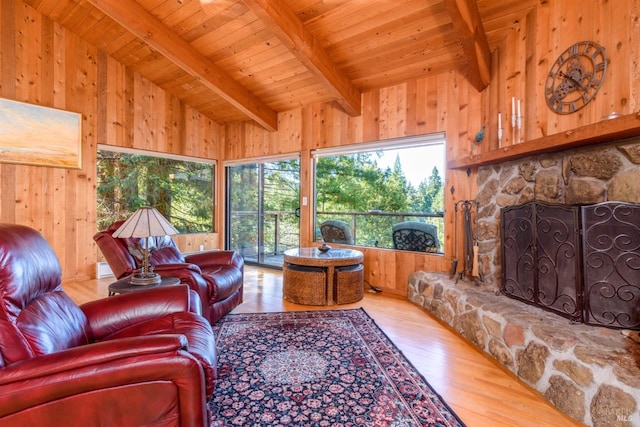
point(145, 222)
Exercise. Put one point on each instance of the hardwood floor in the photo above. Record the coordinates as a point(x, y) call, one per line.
point(480, 391)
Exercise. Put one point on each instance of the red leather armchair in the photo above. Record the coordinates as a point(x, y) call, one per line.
point(141, 358)
point(217, 276)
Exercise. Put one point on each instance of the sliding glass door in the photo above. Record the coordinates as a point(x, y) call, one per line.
point(262, 210)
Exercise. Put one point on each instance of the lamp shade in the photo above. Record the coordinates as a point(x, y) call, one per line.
point(145, 222)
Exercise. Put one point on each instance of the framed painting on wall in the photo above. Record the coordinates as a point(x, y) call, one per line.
point(36, 135)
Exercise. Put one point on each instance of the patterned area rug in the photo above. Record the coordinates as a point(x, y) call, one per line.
point(318, 368)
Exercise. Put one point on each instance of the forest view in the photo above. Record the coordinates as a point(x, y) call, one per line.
point(182, 190)
point(356, 190)
point(263, 200)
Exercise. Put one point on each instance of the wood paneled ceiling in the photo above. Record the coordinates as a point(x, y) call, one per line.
point(236, 60)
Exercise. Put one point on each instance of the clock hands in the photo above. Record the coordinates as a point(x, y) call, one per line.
point(574, 81)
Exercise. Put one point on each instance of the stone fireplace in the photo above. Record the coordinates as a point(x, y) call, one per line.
point(592, 373)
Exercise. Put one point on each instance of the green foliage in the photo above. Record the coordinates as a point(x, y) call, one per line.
point(264, 196)
point(342, 180)
point(355, 183)
point(282, 182)
point(349, 187)
point(430, 194)
point(181, 190)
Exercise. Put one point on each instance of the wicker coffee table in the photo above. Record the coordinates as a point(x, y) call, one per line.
point(309, 276)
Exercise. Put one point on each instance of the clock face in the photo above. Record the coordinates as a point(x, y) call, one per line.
point(575, 77)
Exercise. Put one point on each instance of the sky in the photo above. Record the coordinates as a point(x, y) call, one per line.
point(416, 165)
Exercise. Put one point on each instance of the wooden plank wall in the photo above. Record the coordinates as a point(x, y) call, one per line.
point(135, 113)
point(522, 61)
point(42, 63)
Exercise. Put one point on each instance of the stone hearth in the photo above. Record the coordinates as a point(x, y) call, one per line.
point(590, 373)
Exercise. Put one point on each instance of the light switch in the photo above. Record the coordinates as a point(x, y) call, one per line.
point(304, 201)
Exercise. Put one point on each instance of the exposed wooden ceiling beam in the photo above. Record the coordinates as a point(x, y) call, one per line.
point(284, 23)
point(134, 18)
point(467, 23)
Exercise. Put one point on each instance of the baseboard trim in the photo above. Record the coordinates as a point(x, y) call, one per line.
point(103, 270)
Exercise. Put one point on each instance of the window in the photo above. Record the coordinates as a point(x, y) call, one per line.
point(180, 188)
point(372, 187)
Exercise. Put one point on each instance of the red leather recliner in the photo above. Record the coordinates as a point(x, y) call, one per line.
point(141, 358)
point(217, 276)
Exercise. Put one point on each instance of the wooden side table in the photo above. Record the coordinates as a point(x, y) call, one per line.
point(123, 286)
point(312, 257)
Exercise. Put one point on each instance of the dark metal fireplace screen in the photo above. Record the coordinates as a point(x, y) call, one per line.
point(580, 262)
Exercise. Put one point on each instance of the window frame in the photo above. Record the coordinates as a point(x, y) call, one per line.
point(169, 156)
point(424, 140)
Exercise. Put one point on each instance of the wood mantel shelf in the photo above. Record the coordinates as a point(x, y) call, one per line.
point(607, 130)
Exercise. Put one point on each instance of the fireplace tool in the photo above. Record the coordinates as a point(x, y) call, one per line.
point(454, 262)
point(465, 207)
point(470, 247)
point(475, 271)
point(468, 238)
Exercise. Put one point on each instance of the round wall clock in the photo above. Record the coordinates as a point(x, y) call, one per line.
point(575, 77)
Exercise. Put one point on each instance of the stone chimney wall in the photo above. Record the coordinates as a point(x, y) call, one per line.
point(607, 172)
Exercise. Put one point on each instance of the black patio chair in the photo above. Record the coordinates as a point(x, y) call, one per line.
point(415, 236)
